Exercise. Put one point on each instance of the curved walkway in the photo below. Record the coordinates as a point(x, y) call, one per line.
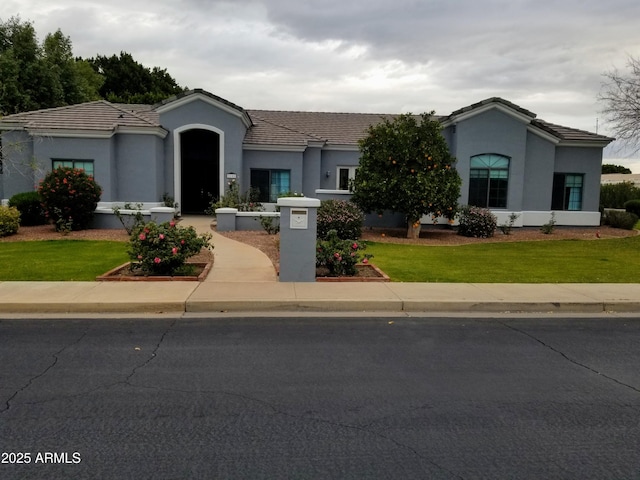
point(233, 261)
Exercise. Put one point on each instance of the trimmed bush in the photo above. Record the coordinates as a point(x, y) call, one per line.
point(69, 197)
point(163, 249)
point(343, 216)
point(624, 220)
point(476, 222)
point(29, 204)
point(633, 206)
point(9, 221)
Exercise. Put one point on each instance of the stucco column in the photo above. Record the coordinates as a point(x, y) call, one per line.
point(298, 227)
point(226, 219)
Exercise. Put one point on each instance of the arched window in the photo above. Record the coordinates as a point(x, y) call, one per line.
point(489, 181)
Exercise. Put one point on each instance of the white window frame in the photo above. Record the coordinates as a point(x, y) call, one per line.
point(351, 175)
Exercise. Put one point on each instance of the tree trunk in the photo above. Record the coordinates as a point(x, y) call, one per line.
point(413, 229)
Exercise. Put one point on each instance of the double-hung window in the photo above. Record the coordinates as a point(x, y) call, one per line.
point(86, 165)
point(270, 183)
point(489, 181)
point(567, 191)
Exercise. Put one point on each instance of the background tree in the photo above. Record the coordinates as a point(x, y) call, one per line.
point(609, 168)
point(127, 81)
point(406, 167)
point(34, 76)
point(620, 95)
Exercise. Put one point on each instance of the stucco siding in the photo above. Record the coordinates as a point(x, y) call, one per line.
point(18, 176)
point(139, 172)
point(492, 132)
point(331, 160)
point(100, 150)
point(587, 161)
point(538, 173)
point(268, 160)
point(311, 170)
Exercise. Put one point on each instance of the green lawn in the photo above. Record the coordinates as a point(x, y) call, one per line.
point(554, 261)
point(60, 260)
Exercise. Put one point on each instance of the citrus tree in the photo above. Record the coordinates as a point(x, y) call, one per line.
point(406, 167)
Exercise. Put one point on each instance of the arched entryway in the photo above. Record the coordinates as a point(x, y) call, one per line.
point(199, 169)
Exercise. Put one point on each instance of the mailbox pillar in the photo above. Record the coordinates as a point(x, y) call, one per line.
point(298, 216)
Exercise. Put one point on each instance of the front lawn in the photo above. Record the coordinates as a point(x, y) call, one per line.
point(554, 261)
point(60, 260)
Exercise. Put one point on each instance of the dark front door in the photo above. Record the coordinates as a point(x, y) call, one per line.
point(200, 157)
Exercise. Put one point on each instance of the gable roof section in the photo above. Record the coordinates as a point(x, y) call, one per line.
point(489, 103)
point(91, 119)
point(199, 94)
point(557, 134)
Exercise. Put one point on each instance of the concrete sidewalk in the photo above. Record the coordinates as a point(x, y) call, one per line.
point(243, 279)
point(186, 297)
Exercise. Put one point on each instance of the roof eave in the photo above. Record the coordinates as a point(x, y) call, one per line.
point(273, 147)
point(482, 108)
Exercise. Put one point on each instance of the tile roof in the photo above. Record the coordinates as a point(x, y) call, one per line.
point(270, 127)
point(489, 101)
point(571, 134)
point(332, 128)
point(94, 116)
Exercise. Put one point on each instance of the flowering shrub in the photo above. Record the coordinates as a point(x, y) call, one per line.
point(164, 249)
point(476, 222)
point(344, 217)
point(9, 221)
point(69, 197)
point(29, 204)
point(339, 256)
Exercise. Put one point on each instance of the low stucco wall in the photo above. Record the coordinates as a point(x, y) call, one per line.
point(230, 219)
point(105, 218)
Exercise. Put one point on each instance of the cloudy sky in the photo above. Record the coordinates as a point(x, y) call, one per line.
point(366, 55)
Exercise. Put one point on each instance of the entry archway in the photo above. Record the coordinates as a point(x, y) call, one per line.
point(198, 166)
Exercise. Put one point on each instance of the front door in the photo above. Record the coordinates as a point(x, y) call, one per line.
point(200, 164)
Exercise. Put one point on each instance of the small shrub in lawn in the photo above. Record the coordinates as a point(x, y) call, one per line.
point(476, 222)
point(339, 256)
point(29, 204)
point(625, 220)
point(69, 197)
point(343, 216)
point(9, 221)
point(163, 249)
point(633, 206)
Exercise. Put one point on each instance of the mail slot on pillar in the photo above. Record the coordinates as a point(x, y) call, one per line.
point(299, 218)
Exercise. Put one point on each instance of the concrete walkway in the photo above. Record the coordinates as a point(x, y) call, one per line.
point(233, 261)
point(243, 280)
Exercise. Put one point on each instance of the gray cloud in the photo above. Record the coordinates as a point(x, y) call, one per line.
point(364, 55)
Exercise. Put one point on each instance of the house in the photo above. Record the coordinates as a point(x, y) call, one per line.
point(189, 146)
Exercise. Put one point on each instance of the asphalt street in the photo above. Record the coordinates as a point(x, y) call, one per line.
point(393, 398)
